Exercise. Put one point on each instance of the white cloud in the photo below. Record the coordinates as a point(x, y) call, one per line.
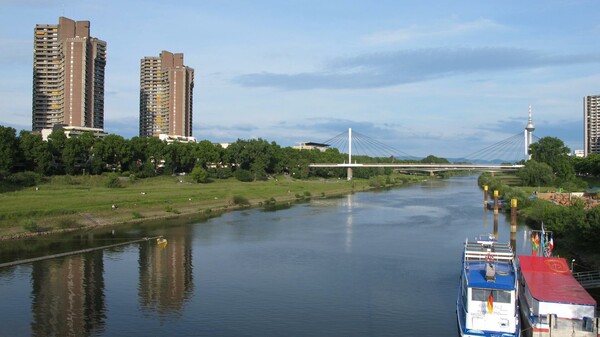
point(378, 70)
point(414, 32)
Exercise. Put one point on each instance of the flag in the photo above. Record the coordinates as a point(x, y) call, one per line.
point(550, 245)
point(536, 243)
point(543, 238)
point(490, 302)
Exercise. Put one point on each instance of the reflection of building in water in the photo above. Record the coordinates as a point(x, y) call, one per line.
point(68, 296)
point(349, 226)
point(166, 272)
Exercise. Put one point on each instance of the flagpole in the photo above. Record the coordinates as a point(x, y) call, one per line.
point(542, 241)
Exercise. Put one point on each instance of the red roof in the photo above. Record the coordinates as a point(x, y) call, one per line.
point(549, 279)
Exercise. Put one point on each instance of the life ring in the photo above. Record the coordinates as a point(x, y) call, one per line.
point(489, 258)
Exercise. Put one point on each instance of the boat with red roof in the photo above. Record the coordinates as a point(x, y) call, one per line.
point(552, 302)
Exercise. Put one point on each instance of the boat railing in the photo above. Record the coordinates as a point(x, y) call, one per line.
point(487, 256)
point(566, 327)
point(488, 251)
point(588, 279)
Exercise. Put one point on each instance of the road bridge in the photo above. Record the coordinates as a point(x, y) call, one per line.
point(431, 168)
point(426, 167)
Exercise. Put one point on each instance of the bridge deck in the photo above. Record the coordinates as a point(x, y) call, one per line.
point(426, 166)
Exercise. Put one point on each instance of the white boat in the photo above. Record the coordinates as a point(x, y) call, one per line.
point(553, 303)
point(487, 303)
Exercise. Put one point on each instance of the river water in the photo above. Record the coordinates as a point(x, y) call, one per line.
point(368, 264)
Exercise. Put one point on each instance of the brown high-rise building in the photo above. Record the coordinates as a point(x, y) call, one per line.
point(68, 76)
point(166, 96)
point(591, 124)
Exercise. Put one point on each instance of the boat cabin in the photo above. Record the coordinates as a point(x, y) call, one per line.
point(553, 303)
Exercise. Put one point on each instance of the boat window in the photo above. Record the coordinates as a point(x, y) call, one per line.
point(500, 296)
point(479, 294)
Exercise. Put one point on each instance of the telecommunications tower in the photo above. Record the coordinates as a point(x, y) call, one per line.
point(529, 135)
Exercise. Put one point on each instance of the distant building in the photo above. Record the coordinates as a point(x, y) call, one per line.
point(579, 153)
point(73, 131)
point(591, 124)
point(179, 139)
point(223, 145)
point(311, 146)
point(166, 96)
point(68, 76)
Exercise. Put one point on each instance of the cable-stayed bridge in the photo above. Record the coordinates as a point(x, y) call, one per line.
point(504, 155)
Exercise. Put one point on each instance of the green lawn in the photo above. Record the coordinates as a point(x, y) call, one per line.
point(81, 201)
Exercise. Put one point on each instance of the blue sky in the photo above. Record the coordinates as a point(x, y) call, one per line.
point(446, 78)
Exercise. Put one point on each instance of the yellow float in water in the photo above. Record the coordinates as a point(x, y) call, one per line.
point(162, 242)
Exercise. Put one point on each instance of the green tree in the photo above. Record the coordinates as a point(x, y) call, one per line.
point(589, 165)
point(431, 159)
point(36, 153)
point(199, 174)
point(534, 173)
point(73, 155)
point(9, 146)
point(114, 151)
point(256, 156)
point(57, 140)
point(553, 152)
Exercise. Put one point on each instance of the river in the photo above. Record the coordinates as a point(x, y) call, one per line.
point(380, 263)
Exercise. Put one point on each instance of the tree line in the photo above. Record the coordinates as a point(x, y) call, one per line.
point(247, 160)
point(575, 226)
point(552, 165)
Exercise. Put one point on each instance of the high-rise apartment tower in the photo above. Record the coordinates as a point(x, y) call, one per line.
point(166, 96)
point(591, 124)
point(68, 76)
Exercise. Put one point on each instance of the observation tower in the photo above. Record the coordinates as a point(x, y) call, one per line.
point(529, 135)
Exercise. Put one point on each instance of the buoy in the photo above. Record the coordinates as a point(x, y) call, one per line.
point(162, 242)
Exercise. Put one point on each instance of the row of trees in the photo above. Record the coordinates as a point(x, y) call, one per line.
point(551, 165)
point(245, 159)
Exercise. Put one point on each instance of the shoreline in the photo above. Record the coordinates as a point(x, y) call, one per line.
point(122, 216)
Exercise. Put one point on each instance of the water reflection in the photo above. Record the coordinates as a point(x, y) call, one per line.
point(165, 273)
point(349, 221)
point(68, 296)
point(359, 265)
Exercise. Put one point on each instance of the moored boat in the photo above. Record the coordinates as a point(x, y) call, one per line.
point(553, 303)
point(487, 303)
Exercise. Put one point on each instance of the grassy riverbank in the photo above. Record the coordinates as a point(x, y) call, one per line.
point(73, 202)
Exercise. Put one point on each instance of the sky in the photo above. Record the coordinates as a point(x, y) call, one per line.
point(443, 78)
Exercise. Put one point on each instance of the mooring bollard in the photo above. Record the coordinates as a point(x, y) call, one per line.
point(495, 201)
point(485, 196)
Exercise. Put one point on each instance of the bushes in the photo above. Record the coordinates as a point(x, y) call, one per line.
point(20, 180)
point(240, 200)
point(31, 225)
point(113, 181)
point(377, 181)
point(244, 175)
point(573, 225)
point(199, 174)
